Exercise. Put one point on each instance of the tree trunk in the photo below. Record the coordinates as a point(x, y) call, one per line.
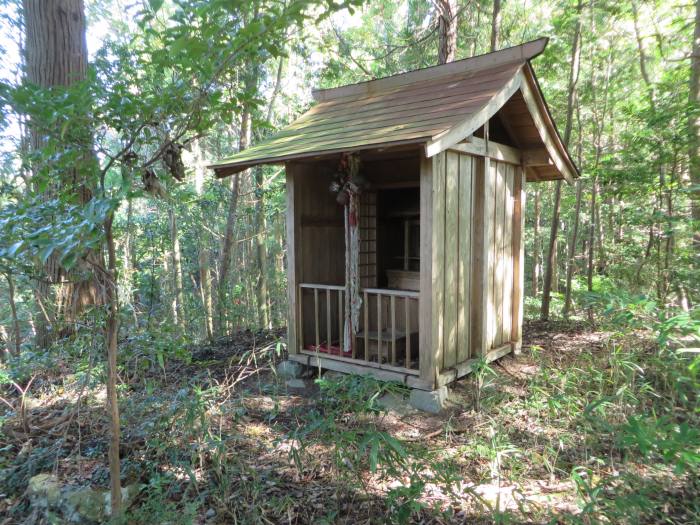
point(447, 30)
point(261, 289)
point(572, 250)
point(205, 287)
point(56, 56)
point(694, 134)
point(495, 24)
point(179, 309)
point(536, 247)
point(229, 237)
point(550, 270)
point(15, 319)
point(570, 101)
point(551, 254)
point(111, 336)
point(591, 232)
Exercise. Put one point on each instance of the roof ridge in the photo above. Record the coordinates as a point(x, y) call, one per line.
point(522, 52)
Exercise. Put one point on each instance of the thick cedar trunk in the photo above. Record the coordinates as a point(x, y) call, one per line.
point(179, 309)
point(495, 24)
point(56, 57)
point(5, 350)
point(15, 319)
point(447, 30)
point(694, 133)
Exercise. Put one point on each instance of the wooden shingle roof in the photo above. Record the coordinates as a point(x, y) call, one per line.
point(435, 107)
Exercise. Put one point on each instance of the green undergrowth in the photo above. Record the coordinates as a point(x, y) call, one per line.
point(587, 426)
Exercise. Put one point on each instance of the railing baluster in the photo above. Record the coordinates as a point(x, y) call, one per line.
point(379, 328)
point(365, 305)
point(407, 310)
point(300, 305)
point(388, 315)
point(329, 335)
point(341, 332)
point(318, 342)
point(393, 329)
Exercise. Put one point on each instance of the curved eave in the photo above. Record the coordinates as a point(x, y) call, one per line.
point(226, 169)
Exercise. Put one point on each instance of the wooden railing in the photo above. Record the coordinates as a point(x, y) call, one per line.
point(388, 334)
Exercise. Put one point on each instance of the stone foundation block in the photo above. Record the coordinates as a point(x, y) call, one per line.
point(433, 401)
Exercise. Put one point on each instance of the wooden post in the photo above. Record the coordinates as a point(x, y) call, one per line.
point(318, 341)
point(292, 224)
point(518, 259)
point(393, 329)
point(329, 331)
point(426, 352)
point(379, 328)
point(365, 306)
point(341, 332)
point(407, 315)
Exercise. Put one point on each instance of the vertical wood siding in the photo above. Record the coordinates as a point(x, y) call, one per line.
point(504, 253)
point(476, 243)
point(453, 213)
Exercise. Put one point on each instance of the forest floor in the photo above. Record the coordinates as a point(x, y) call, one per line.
point(214, 436)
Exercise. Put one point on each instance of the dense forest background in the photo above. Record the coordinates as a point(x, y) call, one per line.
point(116, 240)
point(199, 257)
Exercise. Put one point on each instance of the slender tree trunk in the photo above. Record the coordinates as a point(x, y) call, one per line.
point(205, 287)
point(15, 319)
point(536, 247)
point(447, 30)
point(111, 338)
point(551, 257)
point(550, 269)
point(495, 24)
point(591, 233)
point(694, 134)
point(229, 234)
point(572, 250)
point(177, 271)
point(261, 290)
point(570, 101)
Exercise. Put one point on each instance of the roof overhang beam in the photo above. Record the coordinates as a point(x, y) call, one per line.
point(458, 133)
point(545, 127)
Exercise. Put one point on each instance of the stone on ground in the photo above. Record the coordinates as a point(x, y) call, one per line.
point(396, 403)
point(290, 370)
point(296, 383)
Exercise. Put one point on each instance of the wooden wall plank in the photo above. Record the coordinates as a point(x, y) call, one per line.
point(481, 256)
point(438, 264)
point(508, 254)
point(499, 269)
point(491, 217)
point(451, 259)
point(425, 326)
point(466, 163)
point(519, 258)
